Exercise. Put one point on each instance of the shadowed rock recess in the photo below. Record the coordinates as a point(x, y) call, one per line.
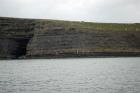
point(41, 38)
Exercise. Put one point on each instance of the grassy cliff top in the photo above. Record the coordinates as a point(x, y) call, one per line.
point(81, 25)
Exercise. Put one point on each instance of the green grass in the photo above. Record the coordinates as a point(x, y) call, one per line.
point(89, 26)
point(81, 25)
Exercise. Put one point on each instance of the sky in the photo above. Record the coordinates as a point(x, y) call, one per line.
point(112, 11)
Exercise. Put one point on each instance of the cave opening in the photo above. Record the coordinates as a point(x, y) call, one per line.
point(21, 47)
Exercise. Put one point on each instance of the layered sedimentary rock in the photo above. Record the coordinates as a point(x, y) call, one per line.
point(60, 42)
point(24, 38)
point(14, 36)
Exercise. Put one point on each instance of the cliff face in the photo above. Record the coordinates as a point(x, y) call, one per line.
point(60, 41)
point(14, 37)
point(24, 38)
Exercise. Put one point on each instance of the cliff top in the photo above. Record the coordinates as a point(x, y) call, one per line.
point(89, 26)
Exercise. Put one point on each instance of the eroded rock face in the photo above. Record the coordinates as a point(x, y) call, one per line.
point(22, 38)
point(60, 42)
point(14, 37)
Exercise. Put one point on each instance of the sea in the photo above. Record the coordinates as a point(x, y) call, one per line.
point(78, 75)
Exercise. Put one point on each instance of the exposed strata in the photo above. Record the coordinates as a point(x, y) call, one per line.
point(14, 37)
point(28, 38)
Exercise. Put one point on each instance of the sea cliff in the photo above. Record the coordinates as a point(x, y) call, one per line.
point(43, 38)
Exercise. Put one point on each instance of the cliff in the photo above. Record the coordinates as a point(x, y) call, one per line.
point(38, 38)
point(14, 37)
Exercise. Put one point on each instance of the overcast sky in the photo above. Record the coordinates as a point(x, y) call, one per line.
point(83, 10)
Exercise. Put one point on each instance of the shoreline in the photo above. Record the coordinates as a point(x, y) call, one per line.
point(65, 56)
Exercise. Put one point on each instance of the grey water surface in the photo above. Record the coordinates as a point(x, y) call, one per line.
point(85, 75)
